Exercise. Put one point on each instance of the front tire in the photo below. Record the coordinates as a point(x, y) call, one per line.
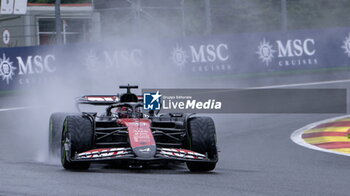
point(55, 133)
point(77, 137)
point(202, 140)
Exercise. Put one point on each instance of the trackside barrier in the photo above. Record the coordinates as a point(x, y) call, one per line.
point(208, 55)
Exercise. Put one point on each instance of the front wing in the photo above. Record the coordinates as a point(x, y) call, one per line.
point(162, 154)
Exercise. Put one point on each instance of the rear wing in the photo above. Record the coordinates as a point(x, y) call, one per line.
point(110, 99)
point(101, 99)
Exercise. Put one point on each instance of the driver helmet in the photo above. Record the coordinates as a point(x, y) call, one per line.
point(124, 112)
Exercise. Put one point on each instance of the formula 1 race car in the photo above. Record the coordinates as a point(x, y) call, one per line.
point(124, 133)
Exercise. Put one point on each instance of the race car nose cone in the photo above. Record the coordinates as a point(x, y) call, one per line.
point(145, 151)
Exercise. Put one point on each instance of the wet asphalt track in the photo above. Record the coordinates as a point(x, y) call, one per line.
point(257, 158)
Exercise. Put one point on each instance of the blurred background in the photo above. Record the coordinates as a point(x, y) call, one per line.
point(87, 20)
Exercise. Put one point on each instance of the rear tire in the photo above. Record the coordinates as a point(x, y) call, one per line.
point(77, 137)
point(55, 133)
point(202, 140)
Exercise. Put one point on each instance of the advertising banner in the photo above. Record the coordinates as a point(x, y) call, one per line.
point(262, 52)
point(22, 66)
point(253, 53)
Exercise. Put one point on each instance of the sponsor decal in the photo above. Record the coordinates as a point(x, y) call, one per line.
point(102, 98)
point(346, 45)
point(113, 59)
point(202, 58)
point(6, 69)
point(92, 61)
point(145, 150)
point(181, 153)
point(151, 101)
point(291, 52)
point(179, 57)
point(35, 64)
point(26, 68)
point(31, 67)
point(265, 52)
point(103, 153)
point(141, 136)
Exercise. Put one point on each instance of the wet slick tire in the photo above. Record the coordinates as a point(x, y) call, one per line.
point(55, 132)
point(203, 140)
point(76, 137)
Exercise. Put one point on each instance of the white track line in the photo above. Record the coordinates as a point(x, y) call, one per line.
point(302, 84)
point(15, 108)
point(296, 136)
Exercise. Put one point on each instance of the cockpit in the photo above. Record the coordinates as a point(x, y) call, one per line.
point(127, 110)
